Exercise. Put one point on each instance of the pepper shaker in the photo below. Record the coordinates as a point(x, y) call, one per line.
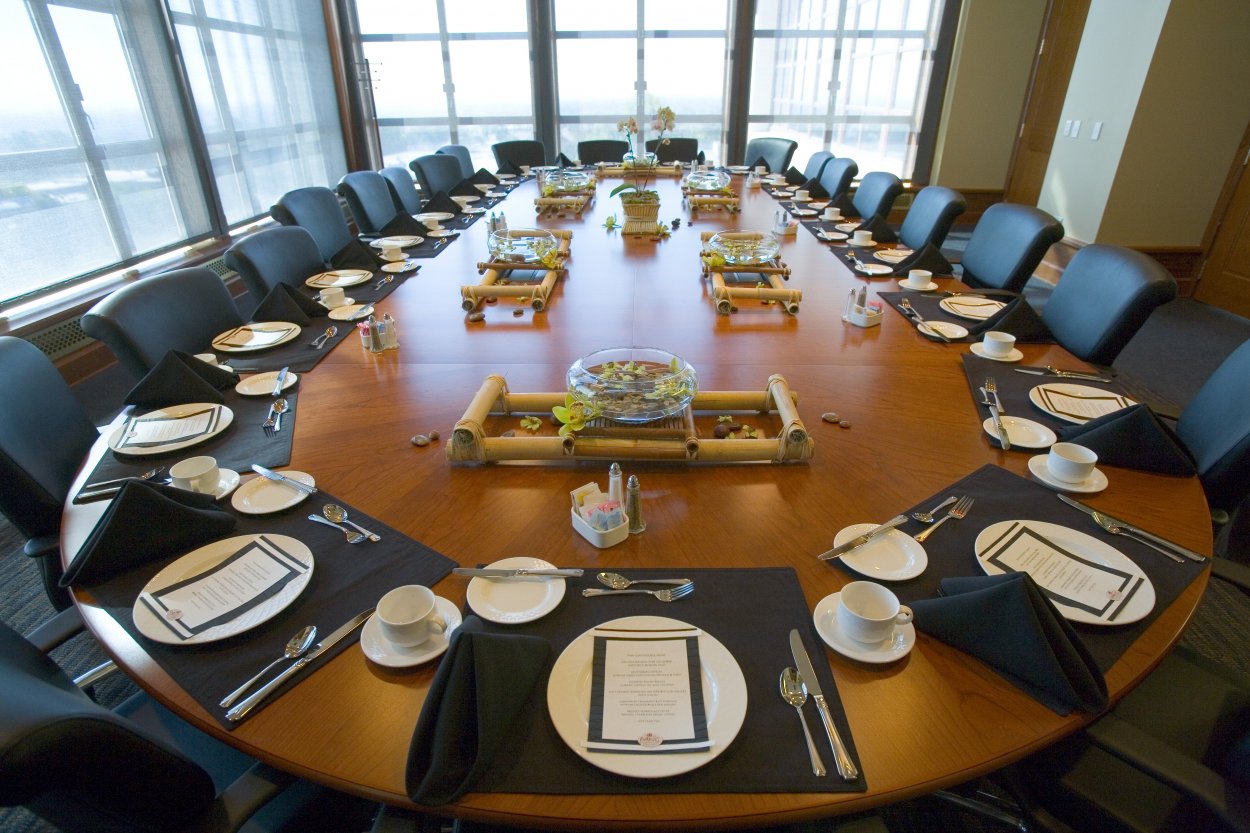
point(616, 491)
point(633, 506)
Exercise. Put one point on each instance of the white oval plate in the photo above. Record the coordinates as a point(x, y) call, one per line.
point(260, 495)
point(929, 287)
point(175, 412)
point(205, 558)
point(262, 383)
point(1039, 467)
point(895, 648)
point(978, 349)
point(350, 312)
point(833, 235)
point(724, 701)
point(1022, 432)
point(403, 241)
point(339, 277)
point(259, 335)
point(473, 209)
point(874, 269)
point(1108, 402)
point(383, 652)
point(971, 308)
point(805, 212)
point(511, 601)
point(436, 216)
point(1087, 547)
point(400, 265)
point(894, 556)
point(945, 328)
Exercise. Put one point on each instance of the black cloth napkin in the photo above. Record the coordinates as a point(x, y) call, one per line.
point(881, 231)
point(761, 161)
point(843, 202)
point(483, 682)
point(484, 177)
point(509, 168)
point(794, 176)
point(929, 258)
point(180, 378)
point(404, 224)
point(1017, 317)
point(465, 188)
point(1132, 438)
point(563, 161)
point(144, 523)
point(815, 189)
point(440, 201)
point(285, 303)
point(355, 255)
point(1007, 622)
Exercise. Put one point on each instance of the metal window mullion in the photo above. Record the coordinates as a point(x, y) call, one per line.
point(640, 84)
point(282, 103)
point(839, 44)
point(444, 45)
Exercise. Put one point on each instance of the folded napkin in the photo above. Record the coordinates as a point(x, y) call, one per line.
point(439, 202)
point(815, 189)
point(355, 255)
point(1017, 318)
point(1007, 622)
point(760, 161)
point(881, 231)
point(481, 685)
point(564, 162)
point(404, 224)
point(1133, 438)
point(929, 258)
point(285, 303)
point(843, 203)
point(509, 168)
point(794, 176)
point(464, 188)
point(144, 523)
point(483, 177)
point(179, 378)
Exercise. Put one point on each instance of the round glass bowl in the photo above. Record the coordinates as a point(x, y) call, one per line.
point(744, 248)
point(707, 180)
point(640, 160)
point(563, 181)
point(520, 245)
point(633, 384)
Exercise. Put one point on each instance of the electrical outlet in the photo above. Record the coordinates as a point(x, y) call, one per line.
point(1095, 131)
point(1067, 127)
point(1076, 128)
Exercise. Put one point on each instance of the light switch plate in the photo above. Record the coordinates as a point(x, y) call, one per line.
point(1095, 131)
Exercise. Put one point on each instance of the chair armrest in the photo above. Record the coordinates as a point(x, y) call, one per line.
point(1233, 572)
point(238, 802)
point(42, 546)
point(57, 630)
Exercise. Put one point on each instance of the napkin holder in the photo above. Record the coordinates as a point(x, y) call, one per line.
point(600, 538)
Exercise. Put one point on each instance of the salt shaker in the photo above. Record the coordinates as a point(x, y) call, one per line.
point(633, 506)
point(390, 335)
point(616, 491)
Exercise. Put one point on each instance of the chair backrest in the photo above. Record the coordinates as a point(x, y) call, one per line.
point(318, 211)
point(436, 173)
point(677, 150)
point(520, 152)
point(286, 254)
point(837, 176)
point(1007, 244)
point(179, 310)
point(776, 152)
point(369, 198)
point(1215, 427)
point(816, 165)
point(1105, 295)
point(403, 190)
point(462, 156)
point(593, 151)
point(933, 211)
point(876, 194)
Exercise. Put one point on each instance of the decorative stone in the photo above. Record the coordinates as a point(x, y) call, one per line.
point(477, 316)
point(844, 424)
point(434, 435)
point(518, 312)
point(492, 300)
point(724, 429)
point(830, 416)
point(420, 440)
point(508, 434)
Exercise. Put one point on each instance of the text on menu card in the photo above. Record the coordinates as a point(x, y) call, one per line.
point(140, 432)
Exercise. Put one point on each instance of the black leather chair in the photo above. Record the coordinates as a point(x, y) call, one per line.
point(286, 254)
point(816, 164)
point(933, 211)
point(776, 152)
point(1105, 295)
point(1006, 246)
point(837, 176)
point(369, 198)
point(462, 156)
point(44, 435)
point(1215, 427)
point(876, 194)
point(520, 152)
point(403, 189)
point(318, 211)
point(179, 310)
point(139, 768)
point(436, 172)
point(677, 150)
point(594, 151)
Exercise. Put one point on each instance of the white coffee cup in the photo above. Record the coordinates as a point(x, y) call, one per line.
point(207, 358)
point(196, 474)
point(862, 237)
point(918, 278)
point(998, 345)
point(408, 617)
point(333, 296)
point(761, 169)
point(802, 195)
point(1070, 462)
point(525, 170)
point(392, 253)
point(867, 612)
point(832, 213)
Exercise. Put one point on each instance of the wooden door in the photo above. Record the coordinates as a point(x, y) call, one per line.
point(1225, 280)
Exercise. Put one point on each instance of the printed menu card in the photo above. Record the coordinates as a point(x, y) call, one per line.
point(161, 429)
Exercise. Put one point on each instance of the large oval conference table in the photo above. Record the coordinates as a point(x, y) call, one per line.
point(936, 718)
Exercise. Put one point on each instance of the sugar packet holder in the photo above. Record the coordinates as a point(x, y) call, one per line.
point(598, 519)
point(862, 314)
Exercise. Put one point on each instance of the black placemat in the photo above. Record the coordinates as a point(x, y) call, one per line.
point(1013, 389)
point(928, 305)
point(751, 612)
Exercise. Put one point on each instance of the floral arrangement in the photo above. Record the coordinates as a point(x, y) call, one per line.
point(664, 121)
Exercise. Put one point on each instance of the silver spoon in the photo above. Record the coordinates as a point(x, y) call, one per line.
point(280, 407)
point(618, 582)
point(928, 517)
point(794, 692)
point(294, 649)
point(352, 537)
point(338, 515)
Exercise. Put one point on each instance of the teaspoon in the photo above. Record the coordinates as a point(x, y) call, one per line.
point(280, 407)
point(794, 692)
point(618, 582)
point(295, 649)
point(338, 514)
point(928, 517)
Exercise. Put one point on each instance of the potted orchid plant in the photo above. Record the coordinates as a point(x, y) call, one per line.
point(640, 204)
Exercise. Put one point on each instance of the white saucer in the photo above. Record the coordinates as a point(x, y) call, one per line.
point(347, 302)
point(894, 556)
point(1038, 467)
point(979, 349)
point(945, 328)
point(805, 212)
point(895, 648)
point(833, 235)
point(442, 232)
point(1024, 433)
point(228, 483)
point(873, 268)
point(929, 287)
point(261, 384)
point(400, 266)
point(801, 199)
point(350, 312)
point(383, 652)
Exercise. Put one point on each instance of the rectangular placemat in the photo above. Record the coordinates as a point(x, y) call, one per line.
point(1013, 389)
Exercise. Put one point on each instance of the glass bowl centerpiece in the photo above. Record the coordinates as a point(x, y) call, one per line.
point(628, 384)
point(566, 182)
point(744, 248)
point(707, 181)
point(521, 245)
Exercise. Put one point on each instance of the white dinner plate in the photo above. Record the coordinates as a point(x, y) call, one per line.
point(260, 495)
point(1024, 433)
point(875, 269)
point(895, 648)
point(1101, 401)
point(400, 265)
point(262, 384)
point(436, 216)
point(1039, 467)
point(945, 328)
point(443, 232)
point(724, 701)
point(502, 177)
point(928, 287)
point(207, 557)
point(978, 349)
point(894, 556)
point(401, 241)
point(805, 212)
point(384, 652)
point(259, 335)
point(971, 307)
point(1087, 547)
point(220, 423)
point(738, 169)
point(339, 277)
point(511, 601)
point(893, 255)
point(465, 198)
point(350, 312)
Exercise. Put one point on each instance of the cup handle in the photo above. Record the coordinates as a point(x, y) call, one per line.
point(439, 625)
point(904, 615)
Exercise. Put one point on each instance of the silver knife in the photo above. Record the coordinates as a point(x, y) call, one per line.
point(1177, 548)
point(846, 767)
point(860, 540)
point(269, 474)
point(277, 387)
point(239, 711)
point(495, 572)
point(1065, 374)
point(1003, 439)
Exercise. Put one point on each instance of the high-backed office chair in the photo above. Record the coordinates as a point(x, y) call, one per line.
point(933, 211)
point(318, 211)
point(1105, 295)
point(1215, 427)
point(1006, 246)
point(138, 769)
point(369, 198)
point(44, 436)
point(462, 156)
point(876, 194)
point(286, 254)
point(816, 164)
point(677, 150)
point(837, 176)
point(594, 151)
point(776, 152)
point(436, 173)
point(178, 310)
point(403, 189)
point(520, 152)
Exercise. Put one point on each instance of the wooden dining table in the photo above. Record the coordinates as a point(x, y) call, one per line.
point(908, 428)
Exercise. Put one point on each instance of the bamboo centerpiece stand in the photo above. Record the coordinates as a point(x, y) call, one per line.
point(574, 201)
point(537, 291)
point(713, 200)
point(725, 293)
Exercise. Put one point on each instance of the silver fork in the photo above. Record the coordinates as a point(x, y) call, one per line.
point(663, 595)
point(958, 511)
point(268, 425)
point(996, 411)
point(925, 327)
